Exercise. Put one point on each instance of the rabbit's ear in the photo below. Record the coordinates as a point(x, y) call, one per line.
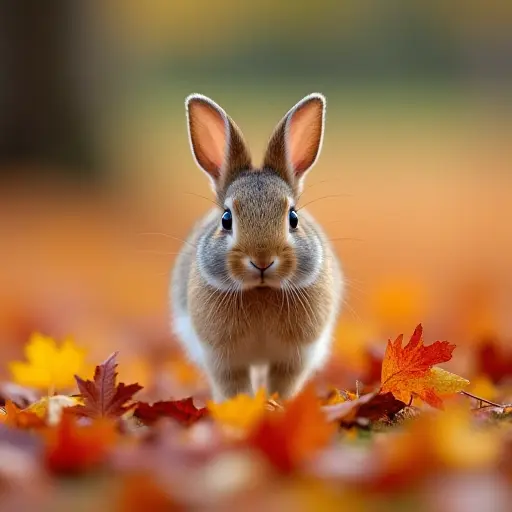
point(217, 144)
point(297, 140)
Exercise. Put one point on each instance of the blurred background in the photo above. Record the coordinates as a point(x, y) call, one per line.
point(94, 152)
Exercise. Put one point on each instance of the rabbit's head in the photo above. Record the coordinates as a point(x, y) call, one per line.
point(257, 238)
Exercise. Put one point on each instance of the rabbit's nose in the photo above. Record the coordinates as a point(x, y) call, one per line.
point(262, 264)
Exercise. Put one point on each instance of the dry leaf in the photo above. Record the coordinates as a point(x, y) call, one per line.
point(50, 408)
point(409, 370)
point(368, 408)
point(73, 448)
point(338, 396)
point(183, 411)
point(19, 418)
point(102, 397)
point(49, 366)
point(287, 438)
point(493, 361)
point(240, 412)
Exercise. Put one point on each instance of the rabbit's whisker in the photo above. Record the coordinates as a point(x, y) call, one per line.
point(168, 236)
point(345, 239)
point(204, 197)
point(321, 198)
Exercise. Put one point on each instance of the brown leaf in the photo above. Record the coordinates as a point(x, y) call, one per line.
point(368, 408)
point(102, 397)
point(183, 411)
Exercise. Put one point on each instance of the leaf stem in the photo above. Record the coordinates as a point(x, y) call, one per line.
point(493, 404)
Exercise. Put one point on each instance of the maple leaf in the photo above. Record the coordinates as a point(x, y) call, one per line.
point(363, 410)
point(240, 412)
point(102, 397)
point(183, 411)
point(290, 436)
point(49, 366)
point(71, 448)
point(409, 370)
point(19, 418)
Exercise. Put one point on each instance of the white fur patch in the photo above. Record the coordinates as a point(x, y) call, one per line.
point(186, 333)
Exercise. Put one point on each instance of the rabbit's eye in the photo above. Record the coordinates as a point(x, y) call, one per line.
point(294, 218)
point(227, 220)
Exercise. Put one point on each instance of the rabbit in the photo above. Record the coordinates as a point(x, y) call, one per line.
point(257, 284)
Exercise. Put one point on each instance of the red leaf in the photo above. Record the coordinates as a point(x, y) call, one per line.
point(102, 397)
point(493, 361)
point(184, 411)
point(367, 408)
point(72, 449)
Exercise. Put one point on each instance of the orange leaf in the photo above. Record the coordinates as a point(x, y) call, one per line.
point(19, 418)
point(288, 437)
point(408, 370)
point(72, 448)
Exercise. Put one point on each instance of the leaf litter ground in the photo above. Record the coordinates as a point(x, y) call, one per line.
point(411, 436)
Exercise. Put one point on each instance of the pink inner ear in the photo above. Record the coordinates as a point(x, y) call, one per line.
point(304, 135)
point(209, 137)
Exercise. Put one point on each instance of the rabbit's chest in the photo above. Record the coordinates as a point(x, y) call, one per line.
point(259, 324)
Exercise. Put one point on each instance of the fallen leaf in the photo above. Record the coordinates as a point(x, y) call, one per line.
point(361, 411)
point(240, 412)
point(49, 366)
point(493, 361)
point(102, 397)
point(183, 411)
point(338, 396)
point(50, 408)
point(71, 448)
point(20, 395)
point(289, 437)
point(19, 418)
point(409, 371)
point(140, 492)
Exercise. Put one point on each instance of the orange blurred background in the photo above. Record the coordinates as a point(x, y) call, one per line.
point(94, 152)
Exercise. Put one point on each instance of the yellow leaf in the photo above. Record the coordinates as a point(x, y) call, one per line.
point(444, 382)
point(240, 412)
point(460, 445)
point(483, 387)
point(338, 396)
point(50, 408)
point(48, 366)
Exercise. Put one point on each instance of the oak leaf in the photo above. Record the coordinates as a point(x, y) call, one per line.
point(408, 371)
point(71, 448)
point(102, 397)
point(183, 411)
point(49, 366)
point(290, 436)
